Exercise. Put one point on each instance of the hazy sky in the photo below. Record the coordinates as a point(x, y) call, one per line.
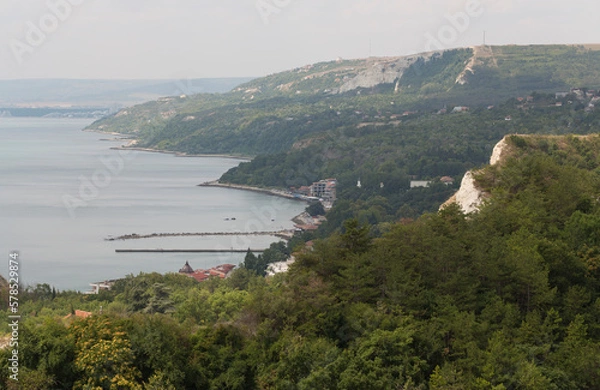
point(218, 38)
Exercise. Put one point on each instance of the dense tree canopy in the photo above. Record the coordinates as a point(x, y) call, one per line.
point(506, 298)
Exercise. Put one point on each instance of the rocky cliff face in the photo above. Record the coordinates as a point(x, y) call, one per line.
point(381, 71)
point(481, 55)
point(470, 197)
point(498, 152)
point(384, 71)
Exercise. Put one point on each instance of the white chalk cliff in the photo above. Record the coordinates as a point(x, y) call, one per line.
point(470, 197)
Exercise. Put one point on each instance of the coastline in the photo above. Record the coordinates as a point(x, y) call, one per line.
point(129, 136)
point(298, 219)
point(181, 154)
point(133, 141)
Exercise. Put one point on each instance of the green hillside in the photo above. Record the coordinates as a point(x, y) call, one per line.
point(383, 121)
point(506, 298)
point(427, 146)
point(270, 114)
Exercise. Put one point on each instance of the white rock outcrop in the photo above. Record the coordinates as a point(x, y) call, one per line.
point(498, 151)
point(378, 73)
point(384, 71)
point(469, 197)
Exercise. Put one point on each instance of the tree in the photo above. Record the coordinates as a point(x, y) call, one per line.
point(315, 209)
point(104, 358)
point(528, 276)
point(297, 362)
point(579, 357)
point(383, 360)
point(276, 252)
point(355, 238)
point(255, 264)
point(221, 360)
point(158, 298)
point(161, 347)
point(32, 380)
point(159, 381)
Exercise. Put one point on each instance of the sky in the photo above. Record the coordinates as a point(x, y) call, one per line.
point(177, 39)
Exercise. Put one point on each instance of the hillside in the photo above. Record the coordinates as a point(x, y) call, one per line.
point(477, 185)
point(424, 147)
point(381, 121)
point(505, 298)
point(270, 114)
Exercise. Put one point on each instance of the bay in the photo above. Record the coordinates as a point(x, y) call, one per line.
point(63, 191)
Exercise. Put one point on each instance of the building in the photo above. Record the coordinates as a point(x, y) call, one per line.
point(99, 286)
point(187, 269)
point(447, 180)
point(324, 189)
point(220, 271)
point(280, 267)
point(78, 314)
point(419, 183)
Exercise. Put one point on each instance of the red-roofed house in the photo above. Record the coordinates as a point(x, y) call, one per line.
point(447, 180)
point(221, 271)
point(79, 314)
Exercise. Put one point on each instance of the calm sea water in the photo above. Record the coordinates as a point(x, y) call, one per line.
point(63, 191)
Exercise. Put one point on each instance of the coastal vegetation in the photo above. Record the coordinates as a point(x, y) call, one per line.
point(380, 121)
point(390, 292)
point(427, 146)
point(504, 298)
point(272, 114)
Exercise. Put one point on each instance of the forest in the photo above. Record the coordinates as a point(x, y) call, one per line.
point(272, 113)
point(390, 293)
point(423, 146)
point(504, 298)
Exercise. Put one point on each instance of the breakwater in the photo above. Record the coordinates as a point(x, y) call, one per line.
point(188, 250)
point(267, 191)
point(285, 234)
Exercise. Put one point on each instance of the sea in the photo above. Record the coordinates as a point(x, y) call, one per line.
point(64, 192)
